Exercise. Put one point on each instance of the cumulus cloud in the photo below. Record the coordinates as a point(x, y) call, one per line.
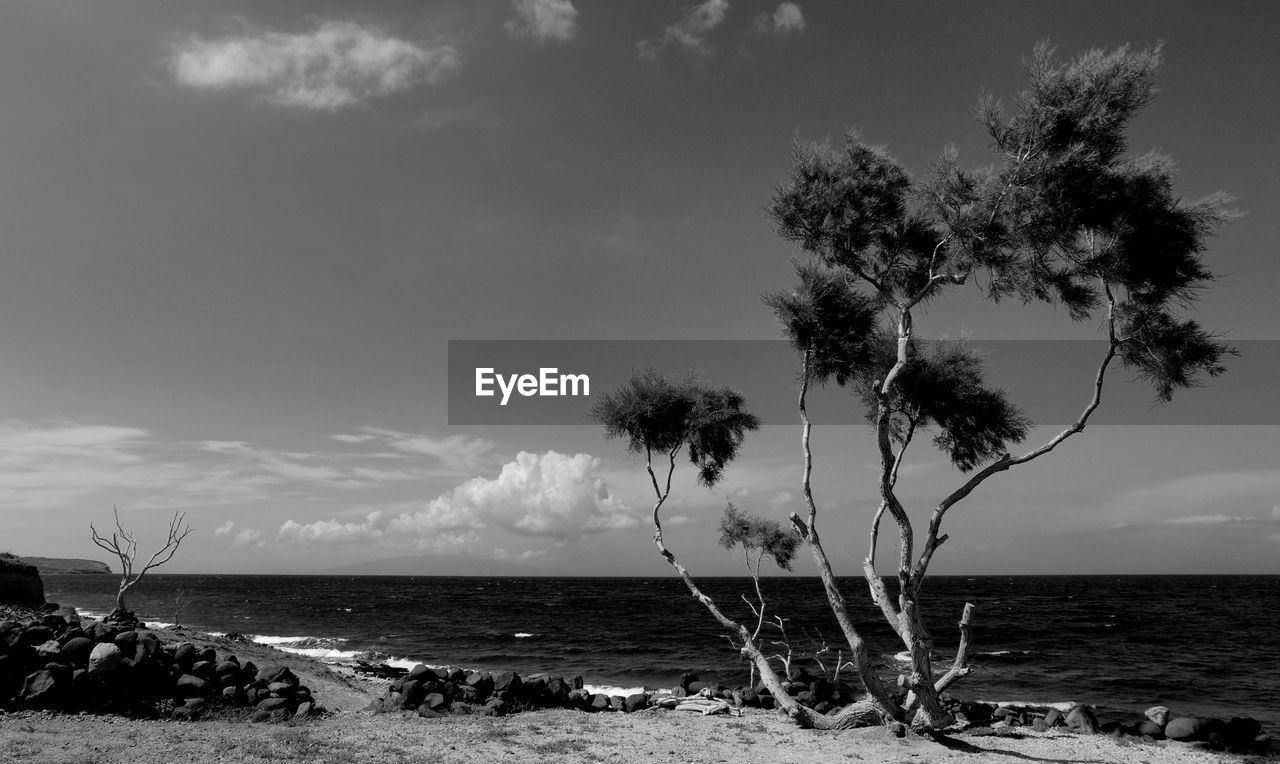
point(225, 528)
point(787, 18)
point(551, 495)
point(249, 537)
point(336, 65)
point(690, 32)
point(544, 19)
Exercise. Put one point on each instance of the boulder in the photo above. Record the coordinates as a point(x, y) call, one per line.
point(422, 674)
point(127, 641)
point(496, 707)
point(271, 704)
point(105, 657)
point(204, 670)
point(749, 698)
point(20, 583)
point(36, 634)
point(278, 674)
point(184, 654)
point(1082, 719)
point(39, 689)
point(193, 708)
point(1158, 714)
point(189, 686)
point(1054, 718)
point(599, 702)
point(435, 701)
point(686, 679)
point(506, 682)
point(1186, 728)
point(414, 694)
point(617, 702)
point(50, 650)
point(304, 709)
point(635, 702)
point(1147, 728)
point(580, 699)
point(76, 650)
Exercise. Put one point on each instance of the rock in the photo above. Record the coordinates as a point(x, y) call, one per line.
point(148, 643)
point(977, 713)
point(1147, 728)
point(435, 701)
point(599, 702)
point(1158, 714)
point(823, 707)
point(39, 689)
point(636, 701)
point(189, 686)
point(20, 583)
point(686, 679)
point(271, 674)
point(204, 670)
point(1053, 718)
point(422, 674)
point(1239, 732)
point(184, 654)
point(76, 650)
point(1114, 729)
point(1040, 725)
point(194, 708)
point(227, 668)
point(580, 699)
point(127, 641)
point(271, 704)
point(1186, 728)
point(1082, 719)
point(49, 650)
point(617, 702)
point(208, 655)
point(304, 709)
point(496, 707)
point(696, 687)
point(506, 681)
point(36, 634)
point(413, 694)
point(105, 657)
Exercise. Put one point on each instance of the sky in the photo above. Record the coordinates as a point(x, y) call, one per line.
point(236, 239)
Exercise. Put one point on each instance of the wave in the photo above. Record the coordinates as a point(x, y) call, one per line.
point(609, 689)
point(524, 635)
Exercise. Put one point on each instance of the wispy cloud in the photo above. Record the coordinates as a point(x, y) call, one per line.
point(786, 19)
point(554, 20)
point(458, 452)
point(550, 495)
point(1208, 520)
point(336, 65)
point(690, 32)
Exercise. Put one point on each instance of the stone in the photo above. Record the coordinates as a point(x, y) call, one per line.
point(304, 709)
point(184, 654)
point(496, 707)
point(48, 650)
point(1147, 728)
point(1054, 718)
point(749, 698)
point(39, 689)
point(413, 694)
point(506, 681)
point(696, 687)
point(823, 707)
point(1082, 719)
point(271, 704)
point(635, 702)
point(1040, 725)
point(579, 699)
point(281, 689)
point(422, 674)
point(227, 668)
point(189, 686)
point(76, 650)
point(1239, 732)
point(127, 641)
point(600, 702)
point(105, 657)
point(208, 655)
point(1158, 714)
point(203, 669)
point(435, 701)
point(278, 674)
point(36, 634)
point(686, 679)
point(1186, 728)
point(457, 676)
point(466, 694)
point(148, 643)
point(192, 709)
point(617, 702)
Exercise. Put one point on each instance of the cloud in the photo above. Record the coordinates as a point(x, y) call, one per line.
point(225, 528)
point(544, 19)
point(551, 495)
point(786, 19)
point(337, 65)
point(460, 453)
point(690, 32)
point(1275, 513)
point(1208, 520)
point(249, 537)
point(529, 554)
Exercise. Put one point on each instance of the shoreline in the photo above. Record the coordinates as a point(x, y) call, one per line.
point(349, 732)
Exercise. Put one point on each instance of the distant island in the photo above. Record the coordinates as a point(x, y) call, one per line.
point(49, 566)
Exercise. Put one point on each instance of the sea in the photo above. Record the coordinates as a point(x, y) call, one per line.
point(1204, 645)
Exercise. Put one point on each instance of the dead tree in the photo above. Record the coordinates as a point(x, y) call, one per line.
point(124, 546)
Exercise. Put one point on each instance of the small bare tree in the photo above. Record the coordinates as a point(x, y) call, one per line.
point(124, 546)
point(182, 601)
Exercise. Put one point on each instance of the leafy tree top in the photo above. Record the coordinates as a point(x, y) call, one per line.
point(760, 535)
point(1064, 216)
point(655, 413)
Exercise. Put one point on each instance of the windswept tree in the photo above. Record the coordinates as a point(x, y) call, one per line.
point(124, 546)
point(1064, 216)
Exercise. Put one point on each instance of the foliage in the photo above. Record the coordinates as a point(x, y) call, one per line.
point(656, 414)
point(756, 534)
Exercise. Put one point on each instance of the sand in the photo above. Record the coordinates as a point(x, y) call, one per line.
point(351, 734)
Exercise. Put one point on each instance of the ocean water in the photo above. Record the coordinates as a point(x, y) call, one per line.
point(1198, 644)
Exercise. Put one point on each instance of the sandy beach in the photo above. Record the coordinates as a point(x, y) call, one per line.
point(349, 733)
